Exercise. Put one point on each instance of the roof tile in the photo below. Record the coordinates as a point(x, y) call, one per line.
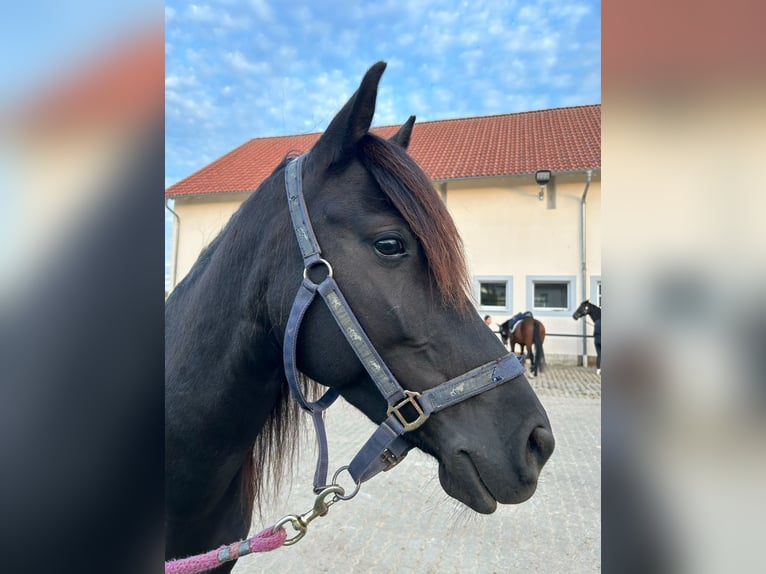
point(561, 139)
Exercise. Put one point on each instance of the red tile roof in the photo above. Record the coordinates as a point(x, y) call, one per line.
point(561, 139)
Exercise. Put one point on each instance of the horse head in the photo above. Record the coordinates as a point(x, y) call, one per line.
point(582, 310)
point(395, 252)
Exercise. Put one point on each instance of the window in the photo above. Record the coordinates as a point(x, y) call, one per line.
point(493, 293)
point(550, 295)
point(595, 290)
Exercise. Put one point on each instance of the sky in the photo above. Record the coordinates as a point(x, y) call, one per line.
point(42, 38)
point(237, 70)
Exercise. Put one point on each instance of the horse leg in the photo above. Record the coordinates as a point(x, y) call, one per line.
point(538, 336)
point(228, 522)
point(521, 350)
point(598, 359)
point(530, 352)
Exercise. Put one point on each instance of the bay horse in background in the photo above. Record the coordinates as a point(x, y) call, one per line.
point(230, 428)
point(594, 312)
point(529, 334)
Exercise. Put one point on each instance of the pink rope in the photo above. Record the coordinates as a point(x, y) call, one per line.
point(264, 541)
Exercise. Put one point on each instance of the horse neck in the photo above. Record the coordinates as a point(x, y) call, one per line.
point(594, 312)
point(219, 336)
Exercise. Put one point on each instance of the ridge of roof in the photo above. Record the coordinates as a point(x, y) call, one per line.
point(443, 120)
point(527, 112)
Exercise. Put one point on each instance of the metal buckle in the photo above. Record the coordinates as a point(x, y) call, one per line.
point(391, 459)
point(411, 399)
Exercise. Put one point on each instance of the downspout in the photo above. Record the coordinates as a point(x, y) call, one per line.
point(583, 267)
point(174, 254)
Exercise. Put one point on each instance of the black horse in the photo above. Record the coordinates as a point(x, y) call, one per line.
point(594, 312)
point(396, 253)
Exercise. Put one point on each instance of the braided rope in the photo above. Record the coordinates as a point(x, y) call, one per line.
point(264, 541)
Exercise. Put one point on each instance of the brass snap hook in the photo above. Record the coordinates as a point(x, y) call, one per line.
point(301, 523)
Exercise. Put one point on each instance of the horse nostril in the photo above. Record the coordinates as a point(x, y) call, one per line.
point(540, 446)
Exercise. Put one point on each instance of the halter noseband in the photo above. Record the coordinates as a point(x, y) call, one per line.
point(407, 410)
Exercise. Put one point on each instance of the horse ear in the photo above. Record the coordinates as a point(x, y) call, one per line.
point(350, 124)
point(402, 137)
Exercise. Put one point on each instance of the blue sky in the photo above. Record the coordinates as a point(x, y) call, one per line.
point(42, 38)
point(236, 70)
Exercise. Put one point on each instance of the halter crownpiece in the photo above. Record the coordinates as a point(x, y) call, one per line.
point(407, 410)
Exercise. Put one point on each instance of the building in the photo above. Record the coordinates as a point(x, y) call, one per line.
point(528, 247)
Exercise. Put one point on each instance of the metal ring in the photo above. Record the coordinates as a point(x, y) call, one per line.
point(319, 261)
point(334, 481)
point(294, 521)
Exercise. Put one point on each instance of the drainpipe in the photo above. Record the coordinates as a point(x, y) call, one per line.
point(583, 268)
point(174, 255)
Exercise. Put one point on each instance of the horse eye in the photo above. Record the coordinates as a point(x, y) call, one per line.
point(389, 246)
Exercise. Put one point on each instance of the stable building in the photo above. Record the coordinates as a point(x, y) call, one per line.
point(524, 190)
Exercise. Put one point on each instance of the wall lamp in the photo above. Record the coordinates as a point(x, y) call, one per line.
point(542, 177)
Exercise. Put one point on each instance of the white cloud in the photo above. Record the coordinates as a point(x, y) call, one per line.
point(530, 13)
point(221, 20)
point(262, 43)
point(177, 81)
point(229, 22)
point(240, 63)
point(406, 40)
point(262, 10)
point(417, 102)
point(200, 13)
point(573, 12)
point(188, 106)
point(469, 38)
point(386, 111)
point(473, 61)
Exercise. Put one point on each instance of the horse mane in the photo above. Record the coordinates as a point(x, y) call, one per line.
point(274, 453)
point(412, 194)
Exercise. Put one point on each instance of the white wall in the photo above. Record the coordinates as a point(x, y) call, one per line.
point(508, 231)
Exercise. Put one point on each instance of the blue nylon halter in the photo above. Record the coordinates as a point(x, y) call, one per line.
point(386, 447)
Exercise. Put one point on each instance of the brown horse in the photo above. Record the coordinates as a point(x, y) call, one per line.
point(529, 331)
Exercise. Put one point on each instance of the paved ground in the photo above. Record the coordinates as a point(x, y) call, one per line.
point(402, 521)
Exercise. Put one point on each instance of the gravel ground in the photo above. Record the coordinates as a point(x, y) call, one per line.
point(402, 521)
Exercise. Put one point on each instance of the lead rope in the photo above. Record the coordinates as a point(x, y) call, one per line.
point(265, 541)
point(268, 539)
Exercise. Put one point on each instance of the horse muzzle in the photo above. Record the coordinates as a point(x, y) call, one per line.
point(505, 469)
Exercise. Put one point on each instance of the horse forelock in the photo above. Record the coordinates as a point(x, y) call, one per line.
point(412, 194)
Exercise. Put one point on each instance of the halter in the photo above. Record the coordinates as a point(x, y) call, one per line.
point(407, 410)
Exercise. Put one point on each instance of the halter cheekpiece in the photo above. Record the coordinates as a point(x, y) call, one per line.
point(407, 410)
